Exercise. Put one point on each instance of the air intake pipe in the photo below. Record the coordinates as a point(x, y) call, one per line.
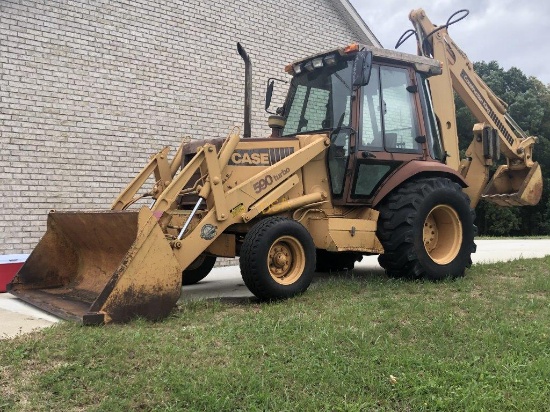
point(247, 90)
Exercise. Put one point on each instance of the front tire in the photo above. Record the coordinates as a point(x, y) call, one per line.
point(277, 259)
point(427, 230)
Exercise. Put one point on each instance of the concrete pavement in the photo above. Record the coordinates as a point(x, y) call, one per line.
point(17, 317)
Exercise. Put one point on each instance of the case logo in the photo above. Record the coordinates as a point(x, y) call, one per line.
point(259, 157)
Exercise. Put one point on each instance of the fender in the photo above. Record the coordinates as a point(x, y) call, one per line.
point(413, 169)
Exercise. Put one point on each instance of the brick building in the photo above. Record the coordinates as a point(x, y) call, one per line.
point(90, 88)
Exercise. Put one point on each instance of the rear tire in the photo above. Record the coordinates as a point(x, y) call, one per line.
point(198, 270)
point(427, 230)
point(277, 259)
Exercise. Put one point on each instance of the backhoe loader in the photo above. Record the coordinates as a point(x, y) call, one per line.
point(362, 159)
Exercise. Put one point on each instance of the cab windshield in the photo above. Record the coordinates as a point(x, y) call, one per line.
point(319, 99)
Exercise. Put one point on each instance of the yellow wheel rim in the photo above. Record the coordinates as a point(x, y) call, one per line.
point(442, 234)
point(286, 260)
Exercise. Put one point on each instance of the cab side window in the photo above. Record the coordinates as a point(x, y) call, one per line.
point(371, 121)
point(399, 111)
point(388, 116)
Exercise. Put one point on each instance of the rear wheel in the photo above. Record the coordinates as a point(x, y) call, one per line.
point(198, 270)
point(277, 259)
point(427, 230)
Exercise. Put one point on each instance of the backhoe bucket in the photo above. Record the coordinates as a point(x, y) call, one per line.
point(515, 187)
point(101, 267)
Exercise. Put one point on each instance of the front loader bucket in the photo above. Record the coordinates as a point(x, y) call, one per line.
point(509, 187)
point(101, 267)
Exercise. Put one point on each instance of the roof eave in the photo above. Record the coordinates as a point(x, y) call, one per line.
point(356, 22)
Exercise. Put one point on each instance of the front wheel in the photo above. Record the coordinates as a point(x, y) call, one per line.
point(277, 259)
point(427, 230)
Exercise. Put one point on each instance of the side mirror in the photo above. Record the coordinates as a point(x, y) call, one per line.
point(362, 68)
point(269, 93)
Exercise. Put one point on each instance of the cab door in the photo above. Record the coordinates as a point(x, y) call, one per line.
point(389, 124)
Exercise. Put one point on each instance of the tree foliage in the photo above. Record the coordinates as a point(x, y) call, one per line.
point(529, 104)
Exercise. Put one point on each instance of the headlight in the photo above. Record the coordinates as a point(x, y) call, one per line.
point(317, 63)
point(330, 60)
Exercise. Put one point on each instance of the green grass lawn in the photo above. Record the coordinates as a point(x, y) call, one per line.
point(351, 343)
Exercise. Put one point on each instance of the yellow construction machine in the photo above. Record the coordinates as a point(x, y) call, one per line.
point(363, 159)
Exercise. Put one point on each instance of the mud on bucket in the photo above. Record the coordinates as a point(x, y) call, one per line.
point(101, 267)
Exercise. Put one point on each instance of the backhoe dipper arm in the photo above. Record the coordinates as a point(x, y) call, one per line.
point(459, 75)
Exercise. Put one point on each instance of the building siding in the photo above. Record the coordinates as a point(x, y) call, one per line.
point(90, 89)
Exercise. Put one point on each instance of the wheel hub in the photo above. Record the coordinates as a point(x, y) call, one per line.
point(442, 234)
point(280, 260)
point(430, 234)
point(286, 260)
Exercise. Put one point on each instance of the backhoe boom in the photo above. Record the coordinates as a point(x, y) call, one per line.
point(519, 182)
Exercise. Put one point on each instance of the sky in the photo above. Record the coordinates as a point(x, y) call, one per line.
point(514, 33)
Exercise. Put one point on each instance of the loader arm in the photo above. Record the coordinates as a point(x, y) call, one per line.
point(163, 172)
point(519, 182)
point(249, 196)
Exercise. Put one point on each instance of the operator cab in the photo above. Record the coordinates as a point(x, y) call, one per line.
point(374, 103)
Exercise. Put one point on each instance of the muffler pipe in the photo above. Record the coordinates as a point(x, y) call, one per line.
point(247, 90)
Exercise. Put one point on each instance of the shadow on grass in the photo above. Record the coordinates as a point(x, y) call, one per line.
point(357, 273)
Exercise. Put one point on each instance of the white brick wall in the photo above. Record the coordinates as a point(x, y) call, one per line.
point(89, 89)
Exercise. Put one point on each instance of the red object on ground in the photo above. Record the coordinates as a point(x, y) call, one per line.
point(9, 266)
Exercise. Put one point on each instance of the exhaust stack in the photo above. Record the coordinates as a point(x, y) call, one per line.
point(247, 90)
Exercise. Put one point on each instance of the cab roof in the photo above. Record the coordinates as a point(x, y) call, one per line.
point(420, 63)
